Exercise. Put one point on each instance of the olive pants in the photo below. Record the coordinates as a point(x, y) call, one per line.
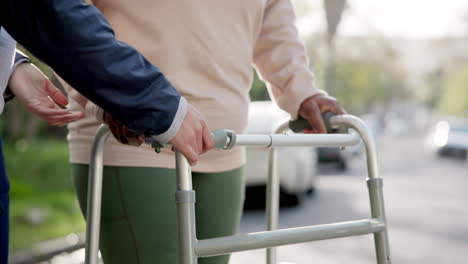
point(138, 219)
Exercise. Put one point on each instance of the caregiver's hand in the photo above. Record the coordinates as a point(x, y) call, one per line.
point(37, 93)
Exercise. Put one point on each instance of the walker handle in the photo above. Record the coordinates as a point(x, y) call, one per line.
point(226, 139)
point(300, 124)
point(223, 138)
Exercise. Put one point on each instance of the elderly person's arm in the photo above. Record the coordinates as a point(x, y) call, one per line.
point(281, 59)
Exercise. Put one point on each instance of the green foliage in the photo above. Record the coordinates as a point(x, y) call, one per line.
point(43, 164)
point(359, 85)
point(62, 217)
point(431, 91)
point(258, 92)
point(40, 179)
point(454, 100)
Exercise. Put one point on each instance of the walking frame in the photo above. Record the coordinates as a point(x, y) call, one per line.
point(191, 248)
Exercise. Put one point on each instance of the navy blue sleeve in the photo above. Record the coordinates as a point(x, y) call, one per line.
point(75, 39)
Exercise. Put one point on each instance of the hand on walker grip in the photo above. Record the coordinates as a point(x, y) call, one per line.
point(312, 108)
point(121, 132)
point(194, 137)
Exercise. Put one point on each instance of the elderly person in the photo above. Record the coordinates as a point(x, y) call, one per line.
point(207, 50)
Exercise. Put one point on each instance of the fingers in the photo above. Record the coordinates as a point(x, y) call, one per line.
point(117, 131)
point(44, 112)
point(331, 105)
point(121, 133)
point(191, 156)
point(134, 141)
point(189, 150)
point(197, 146)
point(309, 131)
point(132, 138)
point(35, 91)
point(63, 119)
point(314, 116)
point(193, 137)
point(312, 108)
point(207, 139)
point(198, 123)
point(76, 96)
point(55, 93)
point(198, 140)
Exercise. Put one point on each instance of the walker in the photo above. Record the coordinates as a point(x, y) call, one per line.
point(191, 248)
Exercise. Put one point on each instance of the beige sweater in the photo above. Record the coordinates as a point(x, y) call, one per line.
point(206, 49)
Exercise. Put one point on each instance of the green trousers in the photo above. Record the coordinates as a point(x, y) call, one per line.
point(138, 219)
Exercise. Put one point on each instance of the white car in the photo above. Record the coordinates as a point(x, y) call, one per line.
point(296, 165)
point(450, 138)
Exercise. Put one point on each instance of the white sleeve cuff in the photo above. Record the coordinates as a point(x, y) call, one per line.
point(20, 61)
point(163, 138)
point(176, 123)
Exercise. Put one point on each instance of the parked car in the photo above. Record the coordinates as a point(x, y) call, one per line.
point(333, 155)
point(450, 138)
point(296, 165)
point(340, 156)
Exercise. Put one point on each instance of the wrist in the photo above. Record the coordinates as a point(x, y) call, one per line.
point(176, 122)
point(20, 59)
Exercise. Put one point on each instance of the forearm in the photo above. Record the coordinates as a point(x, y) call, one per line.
point(19, 58)
point(110, 73)
point(281, 58)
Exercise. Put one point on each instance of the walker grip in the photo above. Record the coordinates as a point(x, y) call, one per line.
point(300, 124)
point(223, 138)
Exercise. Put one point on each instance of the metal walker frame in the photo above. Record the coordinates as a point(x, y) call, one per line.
point(191, 248)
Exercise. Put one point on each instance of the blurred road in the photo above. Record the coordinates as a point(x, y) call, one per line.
point(427, 210)
point(426, 202)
